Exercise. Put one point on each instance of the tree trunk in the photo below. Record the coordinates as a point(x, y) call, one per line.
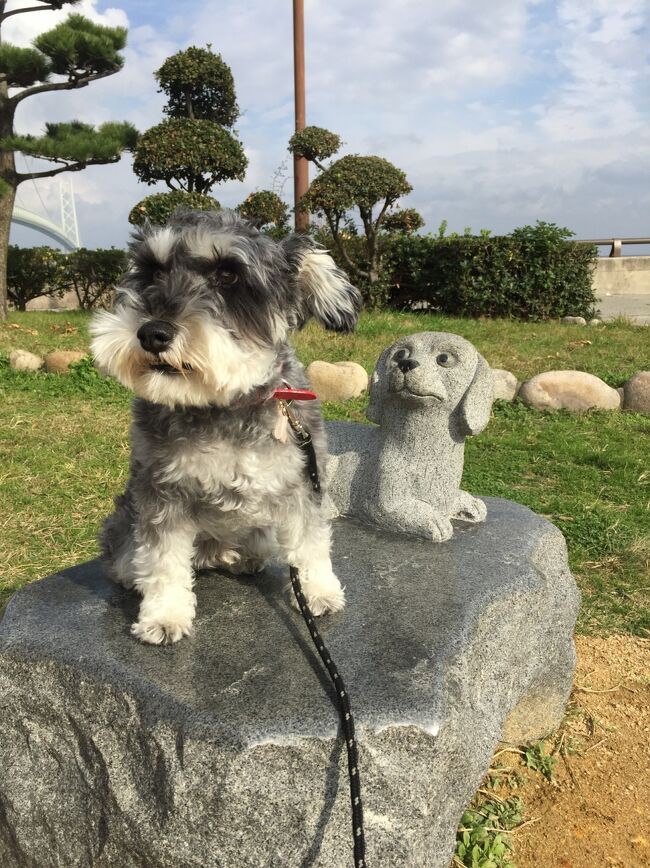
point(7, 199)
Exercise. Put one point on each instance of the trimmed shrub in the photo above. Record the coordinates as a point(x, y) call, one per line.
point(535, 273)
point(33, 272)
point(92, 274)
point(159, 207)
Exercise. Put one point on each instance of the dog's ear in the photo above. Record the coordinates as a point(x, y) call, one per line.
point(323, 289)
point(476, 403)
point(378, 388)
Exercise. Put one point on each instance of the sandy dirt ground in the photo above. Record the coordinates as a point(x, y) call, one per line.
point(595, 813)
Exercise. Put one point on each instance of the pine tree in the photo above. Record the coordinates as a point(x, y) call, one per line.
point(195, 147)
point(69, 56)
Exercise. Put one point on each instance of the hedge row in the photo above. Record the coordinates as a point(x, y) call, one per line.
point(533, 274)
point(33, 272)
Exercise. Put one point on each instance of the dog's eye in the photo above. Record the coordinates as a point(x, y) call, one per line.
point(228, 278)
point(445, 360)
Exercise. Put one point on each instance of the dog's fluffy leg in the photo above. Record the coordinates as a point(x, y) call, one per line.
point(162, 567)
point(305, 540)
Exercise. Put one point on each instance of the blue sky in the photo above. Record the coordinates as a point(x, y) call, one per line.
point(500, 114)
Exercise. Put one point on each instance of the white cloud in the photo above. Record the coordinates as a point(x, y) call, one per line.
point(602, 51)
point(499, 114)
point(21, 29)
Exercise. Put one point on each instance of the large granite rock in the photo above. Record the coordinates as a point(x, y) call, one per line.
point(568, 390)
point(21, 360)
point(636, 392)
point(337, 382)
point(224, 750)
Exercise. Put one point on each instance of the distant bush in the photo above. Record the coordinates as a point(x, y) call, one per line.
point(535, 273)
point(92, 275)
point(33, 272)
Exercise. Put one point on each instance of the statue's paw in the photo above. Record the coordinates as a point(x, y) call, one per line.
point(440, 528)
point(470, 508)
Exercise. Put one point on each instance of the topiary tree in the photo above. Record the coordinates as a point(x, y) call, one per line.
point(33, 272)
point(403, 220)
point(92, 274)
point(314, 144)
point(198, 84)
point(69, 56)
point(370, 186)
point(266, 209)
point(195, 147)
point(159, 207)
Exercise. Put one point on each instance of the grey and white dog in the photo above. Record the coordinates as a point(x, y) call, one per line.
point(199, 332)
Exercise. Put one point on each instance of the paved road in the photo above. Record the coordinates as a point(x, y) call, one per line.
point(634, 306)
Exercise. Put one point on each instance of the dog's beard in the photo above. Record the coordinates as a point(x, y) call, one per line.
point(205, 364)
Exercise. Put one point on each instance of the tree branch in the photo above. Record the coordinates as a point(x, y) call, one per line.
point(69, 167)
point(385, 207)
point(44, 7)
point(61, 85)
point(334, 229)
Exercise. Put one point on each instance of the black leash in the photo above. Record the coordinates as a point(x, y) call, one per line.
point(304, 440)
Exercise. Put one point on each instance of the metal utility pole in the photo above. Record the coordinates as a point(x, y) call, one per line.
point(300, 164)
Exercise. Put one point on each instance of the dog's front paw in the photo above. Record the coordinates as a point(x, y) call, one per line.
point(165, 623)
point(322, 590)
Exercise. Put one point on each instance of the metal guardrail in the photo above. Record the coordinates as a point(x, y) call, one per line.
point(616, 243)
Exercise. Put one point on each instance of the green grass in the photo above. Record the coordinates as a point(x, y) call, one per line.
point(64, 449)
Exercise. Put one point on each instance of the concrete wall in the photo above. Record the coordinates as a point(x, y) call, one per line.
point(622, 275)
point(46, 302)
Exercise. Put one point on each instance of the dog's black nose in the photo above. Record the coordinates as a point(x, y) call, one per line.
point(407, 365)
point(156, 335)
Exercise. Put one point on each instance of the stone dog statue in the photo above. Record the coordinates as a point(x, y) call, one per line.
point(429, 391)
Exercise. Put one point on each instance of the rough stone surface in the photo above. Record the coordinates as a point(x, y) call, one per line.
point(636, 393)
point(428, 392)
point(223, 750)
point(574, 320)
point(568, 390)
point(59, 361)
point(21, 360)
point(505, 385)
point(67, 301)
point(337, 382)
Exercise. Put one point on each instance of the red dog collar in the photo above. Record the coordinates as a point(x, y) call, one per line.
point(287, 393)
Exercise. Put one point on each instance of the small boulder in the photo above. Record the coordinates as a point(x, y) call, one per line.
point(59, 361)
point(637, 393)
point(505, 385)
point(595, 322)
point(568, 390)
point(21, 360)
point(574, 320)
point(337, 382)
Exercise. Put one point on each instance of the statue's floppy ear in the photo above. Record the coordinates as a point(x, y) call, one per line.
point(378, 388)
point(324, 290)
point(476, 403)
